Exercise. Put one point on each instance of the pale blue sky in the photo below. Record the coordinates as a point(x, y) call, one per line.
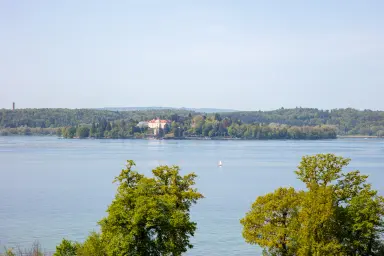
point(246, 55)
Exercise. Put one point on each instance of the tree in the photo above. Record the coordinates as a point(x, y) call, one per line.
point(59, 132)
point(93, 246)
point(320, 169)
point(317, 217)
point(175, 129)
point(66, 248)
point(150, 216)
point(272, 221)
point(217, 117)
point(338, 214)
point(92, 131)
point(364, 209)
point(69, 132)
point(82, 132)
point(160, 133)
point(108, 127)
point(166, 129)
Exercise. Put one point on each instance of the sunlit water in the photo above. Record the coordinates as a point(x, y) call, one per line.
point(52, 188)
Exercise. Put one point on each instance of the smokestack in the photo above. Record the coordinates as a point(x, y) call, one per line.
point(13, 106)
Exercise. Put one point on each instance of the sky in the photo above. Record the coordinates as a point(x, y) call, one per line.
point(244, 55)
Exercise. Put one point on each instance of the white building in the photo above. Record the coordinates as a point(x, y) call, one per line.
point(157, 123)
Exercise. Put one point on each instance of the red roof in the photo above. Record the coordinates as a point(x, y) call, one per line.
point(157, 120)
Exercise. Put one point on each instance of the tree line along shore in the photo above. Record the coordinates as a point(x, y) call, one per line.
point(297, 123)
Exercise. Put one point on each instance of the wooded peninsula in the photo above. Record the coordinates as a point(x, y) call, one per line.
point(296, 123)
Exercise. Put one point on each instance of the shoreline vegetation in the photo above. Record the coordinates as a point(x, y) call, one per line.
point(254, 132)
point(182, 124)
point(358, 136)
point(8, 132)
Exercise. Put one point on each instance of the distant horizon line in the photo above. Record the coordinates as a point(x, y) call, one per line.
point(196, 109)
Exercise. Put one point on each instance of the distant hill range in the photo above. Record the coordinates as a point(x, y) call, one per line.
point(199, 110)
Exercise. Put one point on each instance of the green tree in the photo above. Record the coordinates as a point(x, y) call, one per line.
point(150, 216)
point(321, 169)
point(108, 127)
point(272, 221)
point(93, 130)
point(338, 214)
point(217, 117)
point(82, 132)
point(175, 129)
point(66, 248)
point(317, 217)
point(166, 129)
point(364, 209)
point(59, 132)
point(160, 133)
point(69, 132)
point(92, 246)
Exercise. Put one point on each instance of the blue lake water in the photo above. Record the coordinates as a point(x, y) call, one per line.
point(52, 188)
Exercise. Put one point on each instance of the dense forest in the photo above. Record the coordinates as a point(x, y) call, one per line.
point(298, 123)
point(54, 117)
point(348, 121)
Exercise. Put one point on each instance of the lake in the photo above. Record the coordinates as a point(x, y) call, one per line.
point(52, 188)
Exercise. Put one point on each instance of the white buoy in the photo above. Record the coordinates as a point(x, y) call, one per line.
point(220, 163)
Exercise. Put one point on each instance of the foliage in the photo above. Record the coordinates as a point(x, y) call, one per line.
point(93, 246)
point(68, 132)
point(150, 216)
point(317, 233)
point(28, 131)
point(82, 132)
point(66, 248)
point(348, 121)
point(56, 117)
point(274, 215)
point(338, 214)
point(321, 169)
point(298, 123)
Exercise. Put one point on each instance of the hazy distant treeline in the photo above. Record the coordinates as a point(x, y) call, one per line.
point(51, 117)
point(298, 123)
point(347, 121)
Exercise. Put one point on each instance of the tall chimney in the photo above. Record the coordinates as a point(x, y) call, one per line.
point(13, 106)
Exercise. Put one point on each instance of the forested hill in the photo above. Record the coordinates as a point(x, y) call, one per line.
point(348, 121)
point(58, 117)
point(241, 124)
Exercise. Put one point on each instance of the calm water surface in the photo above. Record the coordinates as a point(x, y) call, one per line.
point(52, 188)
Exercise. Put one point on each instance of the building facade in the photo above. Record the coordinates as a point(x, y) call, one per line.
point(158, 123)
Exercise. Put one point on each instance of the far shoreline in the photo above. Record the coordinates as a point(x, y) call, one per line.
point(197, 138)
point(357, 136)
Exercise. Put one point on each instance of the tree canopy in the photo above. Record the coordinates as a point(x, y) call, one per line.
point(338, 214)
point(149, 216)
point(347, 121)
